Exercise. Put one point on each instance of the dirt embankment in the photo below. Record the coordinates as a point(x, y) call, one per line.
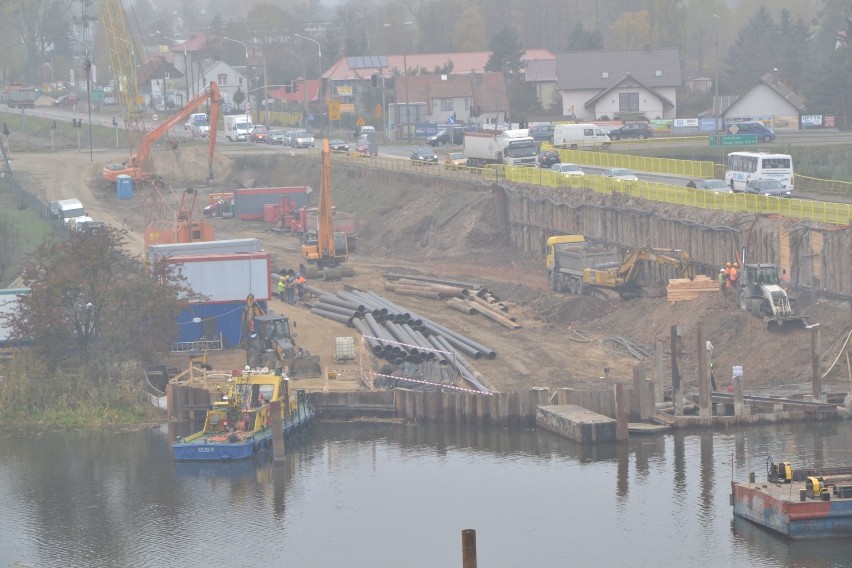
point(450, 231)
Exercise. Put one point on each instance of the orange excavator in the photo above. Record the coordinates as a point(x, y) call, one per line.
point(140, 167)
point(329, 248)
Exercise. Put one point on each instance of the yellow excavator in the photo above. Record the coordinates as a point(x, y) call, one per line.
point(575, 266)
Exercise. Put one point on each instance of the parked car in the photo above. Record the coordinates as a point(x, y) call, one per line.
point(455, 160)
point(620, 174)
point(66, 101)
point(568, 169)
point(542, 132)
point(639, 130)
point(258, 134)
point(452, 135)
point(547, 158)
point(338, 145)
point(302, 139)
point(716, 185)
point(275, 137)
point(424, 155)
point(771, 187)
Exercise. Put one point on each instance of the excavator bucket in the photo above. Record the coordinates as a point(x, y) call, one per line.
point(786, 322)
point(304, 365)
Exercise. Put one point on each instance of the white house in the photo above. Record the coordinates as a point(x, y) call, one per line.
point(228, 79)
point(769, 99)
point(602, 84)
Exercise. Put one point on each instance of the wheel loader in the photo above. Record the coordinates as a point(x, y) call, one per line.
point(759, 291)
point(270, 341)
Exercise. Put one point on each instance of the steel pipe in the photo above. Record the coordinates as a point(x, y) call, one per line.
point(332, 316)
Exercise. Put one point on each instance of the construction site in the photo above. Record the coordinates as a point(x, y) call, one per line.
point(494, 237)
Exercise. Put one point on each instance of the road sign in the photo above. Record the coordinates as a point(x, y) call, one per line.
point(378, 112)
point(334, 110)
point(155, 117)
point(451, 120)
point(733, 140)
point(360, 121)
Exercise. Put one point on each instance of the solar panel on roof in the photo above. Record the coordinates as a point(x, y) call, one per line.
point(367, 62)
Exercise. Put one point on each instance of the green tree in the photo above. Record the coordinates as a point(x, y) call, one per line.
point(753, 52)
point(667, 19)
point(632, 30)
point(830, 89)
point(89, 298)
point(470, 30)
point(239, 97)
point(581, 39)
point(506, 52)
point(40, 27)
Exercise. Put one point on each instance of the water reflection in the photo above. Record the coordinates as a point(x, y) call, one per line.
point(398, 495)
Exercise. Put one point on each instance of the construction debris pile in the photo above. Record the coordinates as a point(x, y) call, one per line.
point(400, 336)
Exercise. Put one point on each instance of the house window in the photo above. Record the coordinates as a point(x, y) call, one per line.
point(628, 102)
point(223, 80)
point(447, 105)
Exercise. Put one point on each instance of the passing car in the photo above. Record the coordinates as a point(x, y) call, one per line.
point(453, 135)
point(569, 170)
point(66, 101)
point(639, 130)
point(455, 160)
point(362, 146)
point(620, 174)
point(769, 187)
point(542, 132)
point(275, 137)
point(338, 145)
point(547, 158)
point(259, 134)
point(716, 185)
point(424, 155)
point(302, 139)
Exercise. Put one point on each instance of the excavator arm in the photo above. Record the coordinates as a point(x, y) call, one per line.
point(629, 269)
point(140, 168)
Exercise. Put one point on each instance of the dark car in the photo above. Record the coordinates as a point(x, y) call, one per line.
point(258, 134)
point(771, 187)
point(275, 137)
point(548, 158)
point(639, 130)
point(66, 101)
point(454, 135)
point(716, 185)
point(338, 145)
point(542, 132)
point(424, 155)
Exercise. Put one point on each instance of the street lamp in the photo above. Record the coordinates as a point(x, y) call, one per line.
point(319, 76)
point(716, 77)
point(405, 64)
point(265, 96)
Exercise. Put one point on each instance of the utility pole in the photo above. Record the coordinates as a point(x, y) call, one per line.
point(405, 64)
point(716, 77)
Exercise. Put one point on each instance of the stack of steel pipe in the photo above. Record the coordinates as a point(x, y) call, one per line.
point(397, 335)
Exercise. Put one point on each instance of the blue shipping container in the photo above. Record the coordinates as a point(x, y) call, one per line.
point(225, 318)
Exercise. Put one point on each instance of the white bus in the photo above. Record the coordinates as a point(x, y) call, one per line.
point(741, 167)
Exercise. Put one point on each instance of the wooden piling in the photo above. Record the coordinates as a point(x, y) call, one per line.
point(739, 402)
point(677, 393)
point(621, 432)
point(468, 548)
point(816, 350)
point(704, 409)
point(659, 384)
point(275, 425)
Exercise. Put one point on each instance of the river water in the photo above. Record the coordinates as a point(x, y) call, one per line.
point(389, 495)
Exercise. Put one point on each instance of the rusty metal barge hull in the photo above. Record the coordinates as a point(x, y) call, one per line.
point(778, 507)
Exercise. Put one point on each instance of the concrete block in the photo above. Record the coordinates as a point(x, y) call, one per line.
point(576, 423)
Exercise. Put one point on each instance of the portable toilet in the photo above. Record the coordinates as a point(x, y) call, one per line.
point(124, 186)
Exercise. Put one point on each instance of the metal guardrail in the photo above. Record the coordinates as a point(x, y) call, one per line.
point(822, 211)
point(672, 166)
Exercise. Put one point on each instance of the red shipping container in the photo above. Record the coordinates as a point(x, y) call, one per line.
point(270, 212)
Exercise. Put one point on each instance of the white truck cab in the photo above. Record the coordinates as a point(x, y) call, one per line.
point(237, 127)
point(67, 209)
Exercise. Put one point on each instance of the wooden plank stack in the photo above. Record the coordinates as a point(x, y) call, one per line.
point(680, 289)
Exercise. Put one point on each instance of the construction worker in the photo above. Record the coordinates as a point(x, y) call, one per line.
point(281, 287)
point(291, 290)
point(727, 272)
point(300, 286)
point(721, 279)
point(735, 273)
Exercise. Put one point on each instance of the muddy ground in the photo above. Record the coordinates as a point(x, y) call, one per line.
point(432, 229)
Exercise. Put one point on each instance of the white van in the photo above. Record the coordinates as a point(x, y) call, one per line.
point(237, 127)
point(67, 209)
point(580, 137)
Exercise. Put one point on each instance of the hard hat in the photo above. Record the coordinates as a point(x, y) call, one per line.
point(721, 270)
point(736, 264)
point(727, 264)
point(281, 279)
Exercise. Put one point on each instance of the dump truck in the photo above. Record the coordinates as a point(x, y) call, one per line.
point(509, 147)
point(759, 291)
point(574, 265)
point(270, 341)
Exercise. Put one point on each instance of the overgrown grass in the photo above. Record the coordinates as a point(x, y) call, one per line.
point(27, 231)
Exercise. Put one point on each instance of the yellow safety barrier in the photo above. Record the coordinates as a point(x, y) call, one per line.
point(807, 184)
point(822, 211)
point(280, 118)
point(686, 168)
point(658, 140)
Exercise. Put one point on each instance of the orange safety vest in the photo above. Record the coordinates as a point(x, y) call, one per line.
point(734, 275)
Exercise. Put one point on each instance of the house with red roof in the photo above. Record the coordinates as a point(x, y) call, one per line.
point(470, 98)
